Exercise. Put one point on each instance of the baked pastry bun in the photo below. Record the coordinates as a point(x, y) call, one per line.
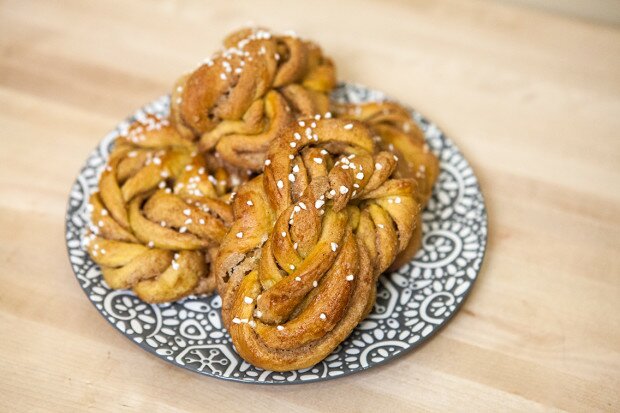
point(297, 271)
point(158, 217)
point(244, 96)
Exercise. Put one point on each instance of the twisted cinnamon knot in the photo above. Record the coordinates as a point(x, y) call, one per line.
point(297, 271)
point(158, 217)
point(396, 131)
point(241, 99)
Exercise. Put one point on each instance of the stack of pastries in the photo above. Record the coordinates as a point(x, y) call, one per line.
point(257, 185)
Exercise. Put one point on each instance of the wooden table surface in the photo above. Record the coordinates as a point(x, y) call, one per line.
point(532, 99)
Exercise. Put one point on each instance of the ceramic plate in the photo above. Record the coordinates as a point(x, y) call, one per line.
point(413, 303)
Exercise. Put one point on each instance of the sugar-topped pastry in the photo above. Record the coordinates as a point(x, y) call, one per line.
point(239, 100)
point(319, 226)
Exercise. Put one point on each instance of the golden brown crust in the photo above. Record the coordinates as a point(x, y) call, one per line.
point(396, 131)
point(298, 268)
point(236, 102)
point(156, 214)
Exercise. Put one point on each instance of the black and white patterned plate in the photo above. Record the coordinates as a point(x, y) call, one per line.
point(412, 303)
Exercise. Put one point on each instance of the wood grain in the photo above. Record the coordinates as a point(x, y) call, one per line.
point(532, 98)
point(601, 10)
